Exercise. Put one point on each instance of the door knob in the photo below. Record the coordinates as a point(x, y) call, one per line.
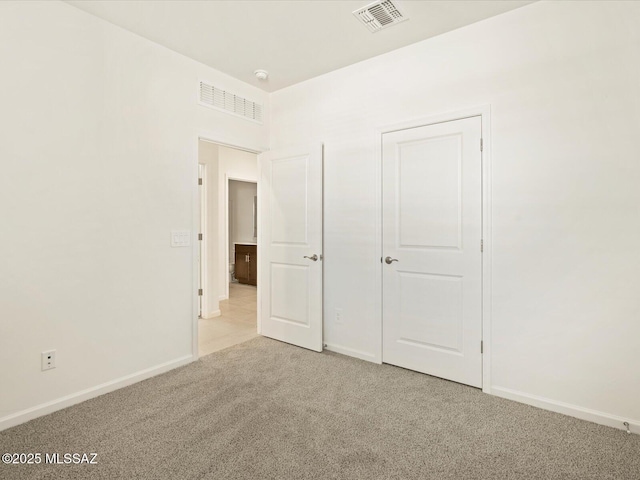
point(313, 257)
point(390, 260)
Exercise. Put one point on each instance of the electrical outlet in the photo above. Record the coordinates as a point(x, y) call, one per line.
point(48, 360)
point(339, 316)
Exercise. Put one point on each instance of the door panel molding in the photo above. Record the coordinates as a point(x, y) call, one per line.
point(484, 112)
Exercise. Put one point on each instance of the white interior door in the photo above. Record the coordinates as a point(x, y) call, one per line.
point(432, 231)
point(290, 246)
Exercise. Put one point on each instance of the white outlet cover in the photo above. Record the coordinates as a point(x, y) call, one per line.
point(180, 238)
point(48, 359)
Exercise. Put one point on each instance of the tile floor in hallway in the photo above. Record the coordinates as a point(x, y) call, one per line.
point(237, 323)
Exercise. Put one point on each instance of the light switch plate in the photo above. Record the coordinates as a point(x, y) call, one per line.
point(180, 238)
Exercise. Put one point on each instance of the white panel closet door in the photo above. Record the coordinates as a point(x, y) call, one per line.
point(432, 229)
point(290, 246)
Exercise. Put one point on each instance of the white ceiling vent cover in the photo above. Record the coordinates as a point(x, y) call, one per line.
point(379, 15)
point(219, 99)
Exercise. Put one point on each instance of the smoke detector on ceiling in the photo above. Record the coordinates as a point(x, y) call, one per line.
point(379, 15)
point(261, 74)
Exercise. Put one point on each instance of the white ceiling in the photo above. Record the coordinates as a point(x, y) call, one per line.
point(294, 40)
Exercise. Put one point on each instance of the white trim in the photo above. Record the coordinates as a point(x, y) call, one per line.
point(203, 244)
point(369, 357)
point(487, 237)
point(582, 413)
point(259, 251)
point(92, 392)
point(214, 314)
point(378, 227)
point(231, 143)
point(484, 112)
point(322, 283)
point(195, 253)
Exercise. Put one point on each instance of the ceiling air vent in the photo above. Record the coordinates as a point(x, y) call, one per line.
point(379, 15)
point(219, 99)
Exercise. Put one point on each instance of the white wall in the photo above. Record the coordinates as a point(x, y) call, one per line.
point(98, 144)
point(241, 205)
point(562, 80)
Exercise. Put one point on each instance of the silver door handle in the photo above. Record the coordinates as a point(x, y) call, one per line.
point(313, 257)
point(390, 260)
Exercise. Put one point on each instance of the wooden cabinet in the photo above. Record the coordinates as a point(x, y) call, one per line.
point(246, 268)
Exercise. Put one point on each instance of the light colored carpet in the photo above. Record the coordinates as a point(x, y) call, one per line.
point(267, 410)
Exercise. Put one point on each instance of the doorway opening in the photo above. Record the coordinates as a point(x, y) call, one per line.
point(228, 246)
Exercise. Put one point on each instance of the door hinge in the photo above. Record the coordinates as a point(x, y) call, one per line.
point(481, 145)
point(481, 346)
point(199, 236)
point(199, 181)
point(481, 246)
point(199, 292)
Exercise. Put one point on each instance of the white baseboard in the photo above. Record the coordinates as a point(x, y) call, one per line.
point(567, 409)
point(78, 397)
point(369, 357)
point(214, 314)
point(223, 297)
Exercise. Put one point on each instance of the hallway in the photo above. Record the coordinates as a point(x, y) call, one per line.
point(237, 323)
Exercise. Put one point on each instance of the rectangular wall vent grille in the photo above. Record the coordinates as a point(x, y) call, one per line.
point(215, 97)
point(379, 15)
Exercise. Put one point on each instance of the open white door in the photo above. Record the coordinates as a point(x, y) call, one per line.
point(432, 232)
point(290, 246)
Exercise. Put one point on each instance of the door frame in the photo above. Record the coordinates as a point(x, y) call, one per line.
point(484, 112)
point(202, 244)
point(225, 141)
